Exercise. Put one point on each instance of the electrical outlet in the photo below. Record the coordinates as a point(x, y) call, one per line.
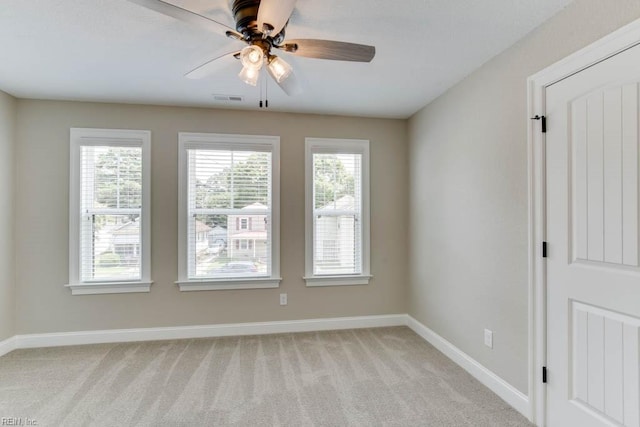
point(283, 299)
point(488, 338)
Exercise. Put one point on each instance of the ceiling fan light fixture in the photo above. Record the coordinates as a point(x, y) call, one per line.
point(249, 75)
point(279, 69)
point(252, 57)
point(261, 25)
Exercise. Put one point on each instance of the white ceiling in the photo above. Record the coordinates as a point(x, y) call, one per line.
point(117, 51)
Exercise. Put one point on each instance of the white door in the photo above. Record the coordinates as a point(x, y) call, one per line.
point(593, 274)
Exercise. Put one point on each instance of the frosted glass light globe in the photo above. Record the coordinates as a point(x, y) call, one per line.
point(252, 57)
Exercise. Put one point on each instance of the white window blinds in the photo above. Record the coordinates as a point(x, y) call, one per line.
point(110, 213)
point(337, 213)
point(229, 213)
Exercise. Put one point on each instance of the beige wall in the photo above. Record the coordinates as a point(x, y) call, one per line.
point(7, 143)
point(44, 305)
point(468, 193)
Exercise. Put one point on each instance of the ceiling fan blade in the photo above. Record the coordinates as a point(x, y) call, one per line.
point(329, 49)
point(275, 13)
point(209, 67)
point(186, 15)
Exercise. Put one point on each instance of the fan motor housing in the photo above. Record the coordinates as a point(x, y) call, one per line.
point(245, 13)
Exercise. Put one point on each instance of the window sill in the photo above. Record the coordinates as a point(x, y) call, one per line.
point(109, 288)
point(314, 281)
point(229, 284)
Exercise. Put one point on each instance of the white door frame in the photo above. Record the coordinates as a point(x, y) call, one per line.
point(616, 42)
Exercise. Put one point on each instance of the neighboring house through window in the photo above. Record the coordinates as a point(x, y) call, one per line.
point(230, 185)
point(250, 234)
point(109, 239)
point(337, 212)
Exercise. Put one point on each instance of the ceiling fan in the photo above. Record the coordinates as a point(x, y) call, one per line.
point(261, 25)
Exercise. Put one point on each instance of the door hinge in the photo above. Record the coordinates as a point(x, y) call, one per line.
point(544, 374)
point(544, 249)
point(543, 119)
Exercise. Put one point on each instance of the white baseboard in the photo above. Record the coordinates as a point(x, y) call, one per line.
point(506, 391)
point(205, 331)
point(8, 345)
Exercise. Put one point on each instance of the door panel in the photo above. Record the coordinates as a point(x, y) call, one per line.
point(593, 274)
point(605, 179)
point(602, 382)
point(630, 175)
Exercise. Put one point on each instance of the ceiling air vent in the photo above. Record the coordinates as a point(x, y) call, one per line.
point(227, 98)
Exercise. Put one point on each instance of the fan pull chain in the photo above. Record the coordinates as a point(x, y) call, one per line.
point(261, 91)
point(264, 81)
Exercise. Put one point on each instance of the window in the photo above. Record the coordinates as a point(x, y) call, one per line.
point(337, 212)
point(229, 188)
point(109, 239)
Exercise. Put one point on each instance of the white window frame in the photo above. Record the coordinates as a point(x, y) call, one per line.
point(80, 137)
point(337, 146)
point(187, 141)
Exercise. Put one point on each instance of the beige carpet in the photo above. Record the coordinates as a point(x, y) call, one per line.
point(366, 377)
